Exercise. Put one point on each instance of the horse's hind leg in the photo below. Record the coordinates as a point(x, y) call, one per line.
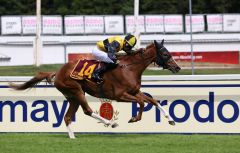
point(73, 107)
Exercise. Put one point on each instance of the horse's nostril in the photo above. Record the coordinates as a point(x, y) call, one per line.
point(177, 68)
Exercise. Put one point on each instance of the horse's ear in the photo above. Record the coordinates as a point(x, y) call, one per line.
point(159, 45)
point(156, 44)
point(162, 43)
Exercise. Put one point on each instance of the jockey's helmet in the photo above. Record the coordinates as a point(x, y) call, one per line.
point(129, 42)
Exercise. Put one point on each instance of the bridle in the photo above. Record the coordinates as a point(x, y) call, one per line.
point(161, 61)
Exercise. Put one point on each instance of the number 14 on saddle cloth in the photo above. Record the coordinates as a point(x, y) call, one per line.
point(84, 69)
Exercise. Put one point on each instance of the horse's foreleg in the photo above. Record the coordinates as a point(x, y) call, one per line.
point(141, 104)
point(69, 115)
point(155, 103)
point(137, 98)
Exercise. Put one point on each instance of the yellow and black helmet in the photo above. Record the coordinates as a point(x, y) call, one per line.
point(130, 42)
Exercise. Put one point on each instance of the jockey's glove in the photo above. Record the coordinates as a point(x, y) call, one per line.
point(112, 56)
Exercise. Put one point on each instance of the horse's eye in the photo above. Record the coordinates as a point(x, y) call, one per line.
point(165, 55)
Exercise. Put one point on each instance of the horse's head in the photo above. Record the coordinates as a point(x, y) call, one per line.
point(164, 58)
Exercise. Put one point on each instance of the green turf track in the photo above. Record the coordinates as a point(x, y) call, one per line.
point(118, 143)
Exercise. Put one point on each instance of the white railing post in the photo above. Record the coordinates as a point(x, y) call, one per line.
point(38, 42)
point(136, 31)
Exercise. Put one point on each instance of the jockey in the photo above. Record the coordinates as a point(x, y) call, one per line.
point(105, 52)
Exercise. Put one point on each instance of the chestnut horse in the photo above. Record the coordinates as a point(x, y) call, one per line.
point(121, 84)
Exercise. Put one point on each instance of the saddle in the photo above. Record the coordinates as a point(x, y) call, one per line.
point(84, 69)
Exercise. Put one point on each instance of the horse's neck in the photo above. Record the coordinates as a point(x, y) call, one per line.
point(137, 66)
point(140, 68)
point(139, 61)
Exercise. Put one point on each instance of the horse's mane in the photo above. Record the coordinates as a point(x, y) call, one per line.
point(125, 56)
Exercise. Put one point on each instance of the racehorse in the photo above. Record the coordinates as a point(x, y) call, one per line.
point(121, 84)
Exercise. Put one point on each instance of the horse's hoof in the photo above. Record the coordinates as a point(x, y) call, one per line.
point(133, 119)
point(114, 125)
point(171, 123)
point(72, 136)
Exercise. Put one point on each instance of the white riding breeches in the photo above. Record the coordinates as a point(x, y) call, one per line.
point(101, 55)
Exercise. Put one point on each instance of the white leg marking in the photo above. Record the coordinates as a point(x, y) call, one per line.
point(165, 113)
point(70, 133)
point(101, 119)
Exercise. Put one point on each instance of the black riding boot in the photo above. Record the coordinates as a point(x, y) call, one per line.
point(97, 74)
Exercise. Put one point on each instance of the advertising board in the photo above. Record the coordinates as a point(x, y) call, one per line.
point(231, 22)
point(130, 23)
point(74, 24)
point(94, 24)
point(52, 25)
point(11, 25)
point(29, 25)
point(113, 24)
point(224, 57)
point(154, 23)
point(196, 107)
point(214, 22)
point(197, 23)
point(173, 23)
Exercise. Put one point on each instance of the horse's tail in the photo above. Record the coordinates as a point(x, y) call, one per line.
point(35, 80)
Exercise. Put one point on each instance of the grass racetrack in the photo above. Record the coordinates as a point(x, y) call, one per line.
point(118, 143)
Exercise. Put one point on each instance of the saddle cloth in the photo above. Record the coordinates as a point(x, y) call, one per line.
point(84, 69)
